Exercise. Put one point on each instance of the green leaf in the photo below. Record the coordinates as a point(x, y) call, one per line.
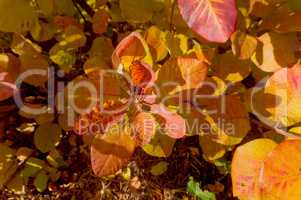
point(160, 146)
point(47, 137)
point(32, 167)
point(41, 181)
point(140, 11)
point(17, 16)
point(194, 189)
point(56, 159)
point(64, 59)
point(160, 168)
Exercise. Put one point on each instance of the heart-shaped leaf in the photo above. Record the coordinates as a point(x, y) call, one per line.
point(112, 151)
point(214, 20)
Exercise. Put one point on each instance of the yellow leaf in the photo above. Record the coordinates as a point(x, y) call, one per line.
point(17, 16)
point(246, 165)
point(156, 39)
point(275, 51)
point(243, 45)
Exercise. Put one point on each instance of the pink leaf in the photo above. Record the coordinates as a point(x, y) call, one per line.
point(175, 126)
point(214, 20)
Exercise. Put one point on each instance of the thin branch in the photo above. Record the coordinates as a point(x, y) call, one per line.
point(172, 16)
point(277, 130)
point(78, 9)
point(83, 4)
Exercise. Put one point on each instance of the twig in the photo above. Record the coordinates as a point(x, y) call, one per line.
point(172, 15)
point(83, 4)
point(78, 9)
point(277, 130)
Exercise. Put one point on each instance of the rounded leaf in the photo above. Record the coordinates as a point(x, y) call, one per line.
point(111, 152)
point(214, 20)
point(47, 137)
point(280, 177)
point(246, 165)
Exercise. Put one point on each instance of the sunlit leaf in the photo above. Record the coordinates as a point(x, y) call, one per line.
point(156, 39)
point(243, 45)
point(21, 45)
point(131, 48)
point(275, 51)
point(213, 19)
point(285, 85)
point(246, 166)
point(184, 72)
point(194, 189)
point(43, 31)
point(144, 126)
point(56, 159)
point(177, 44)
point(173, 124)
point(280, 177)
point(111, 152)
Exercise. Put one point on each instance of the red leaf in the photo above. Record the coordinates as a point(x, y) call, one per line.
point(214, 20)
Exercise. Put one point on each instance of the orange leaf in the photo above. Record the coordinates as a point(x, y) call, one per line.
point(131, 48)
point(280, 178)
point(144, 128)
point(100, 21)
point(141, 74)
point(246, 165)
point(111, 152)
